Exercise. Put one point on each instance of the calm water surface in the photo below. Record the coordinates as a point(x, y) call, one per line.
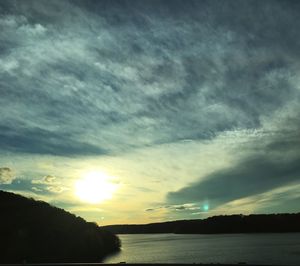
point(278, 249)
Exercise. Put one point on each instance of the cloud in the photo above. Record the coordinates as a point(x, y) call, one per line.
point(269, 162)
point(19, 139)
point(106, 84)
point(47, 180)
point(49, 183)
point(281, 199)
point(6, 175)
point(56, 189)
point(37, 189)
point(180, 207)
point(248, 178)
point(149, 210)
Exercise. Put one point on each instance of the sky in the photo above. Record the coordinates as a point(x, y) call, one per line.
point(148, 111)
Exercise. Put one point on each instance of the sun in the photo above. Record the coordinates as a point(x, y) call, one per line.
point(95, 187)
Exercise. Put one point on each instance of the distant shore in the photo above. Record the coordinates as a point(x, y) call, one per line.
point(224, 224)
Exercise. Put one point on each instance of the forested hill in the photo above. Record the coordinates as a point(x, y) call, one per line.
point(255, 223)
point(34, 231)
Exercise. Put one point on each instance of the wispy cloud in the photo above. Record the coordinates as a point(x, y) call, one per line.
point(103, 84)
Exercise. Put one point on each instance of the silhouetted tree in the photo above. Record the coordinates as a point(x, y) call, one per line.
point(38, 232)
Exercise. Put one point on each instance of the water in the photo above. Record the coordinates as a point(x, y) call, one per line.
point(275, 249)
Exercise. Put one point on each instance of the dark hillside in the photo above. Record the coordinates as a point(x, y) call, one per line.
point(34, 231)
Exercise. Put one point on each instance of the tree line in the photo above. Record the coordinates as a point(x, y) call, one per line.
point(223, 224)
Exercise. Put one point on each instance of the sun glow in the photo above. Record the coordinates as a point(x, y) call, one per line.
point(95, 187)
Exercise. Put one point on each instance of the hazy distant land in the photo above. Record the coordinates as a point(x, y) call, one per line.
point(255, 223)
point(33, 231)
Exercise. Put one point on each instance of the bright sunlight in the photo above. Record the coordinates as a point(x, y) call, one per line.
point(95, 187)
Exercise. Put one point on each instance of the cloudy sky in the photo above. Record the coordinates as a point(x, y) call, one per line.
point(146, 111)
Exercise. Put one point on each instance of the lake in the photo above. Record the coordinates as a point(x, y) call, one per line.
point(278, 249)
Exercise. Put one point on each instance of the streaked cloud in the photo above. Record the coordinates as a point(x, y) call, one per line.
point(268, 163)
